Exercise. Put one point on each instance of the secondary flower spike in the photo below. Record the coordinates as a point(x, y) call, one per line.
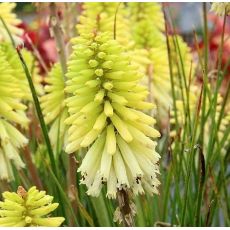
point(150, 51)
point(15, 64)
point(53, 106)
point(11, 21)
point(220, 8)
point(12, 111)
point(100, 16)
point(105, 115)
point(27, 209)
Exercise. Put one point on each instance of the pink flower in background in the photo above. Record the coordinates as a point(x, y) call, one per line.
point(43, 42)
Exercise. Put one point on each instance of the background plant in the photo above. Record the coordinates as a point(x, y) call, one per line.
point(192, 113)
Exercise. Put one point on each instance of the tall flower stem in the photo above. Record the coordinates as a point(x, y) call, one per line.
point(191, 158)
point(39, 113)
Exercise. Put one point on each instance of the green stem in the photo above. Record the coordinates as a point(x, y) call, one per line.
point(63, 195)
point(115, 22)
point(39, 113)
point(205, 73)
point(171, 74)
point(100, 210)
point(191, 157)
point(211, 142)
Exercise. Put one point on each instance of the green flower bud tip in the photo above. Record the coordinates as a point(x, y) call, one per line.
point(101, 55)
point(93, 63)
point(99, 72)
point(108, 85)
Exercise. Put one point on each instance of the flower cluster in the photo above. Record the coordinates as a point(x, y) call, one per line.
point(147, 11)
point(30, 208)
point(105, 115)
point(220, 8)
point(15, 92)
point(11, 20)
point(100, 16)
point(150, 52)
point(12, 111)
point(19, 74)
point(148, 24)
point(53, 106)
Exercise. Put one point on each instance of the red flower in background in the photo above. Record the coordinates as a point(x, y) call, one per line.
point(43, 42)
point(215, 37)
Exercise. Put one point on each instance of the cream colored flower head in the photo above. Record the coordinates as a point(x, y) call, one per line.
point(220, 8)
point(106, 116)
point(27, 209)
point(12, 111)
